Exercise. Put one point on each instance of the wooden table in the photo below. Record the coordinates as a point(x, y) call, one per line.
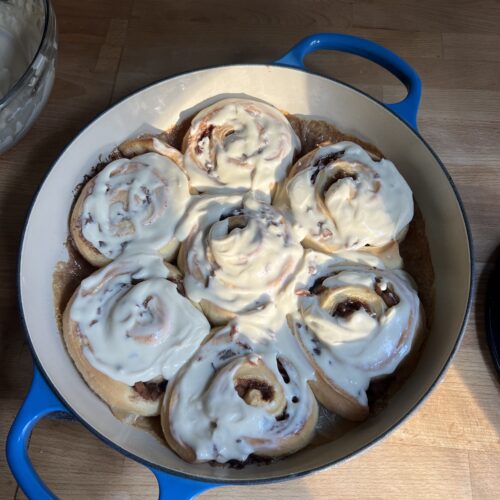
point(108, 48)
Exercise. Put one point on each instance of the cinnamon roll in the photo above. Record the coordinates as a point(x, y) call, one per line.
point(239, 259)
point(244, 392)
point(239, 145)
point(150, 144)
point(129, 329)
point(344, 198)
point(356, 323)
point(132, 203)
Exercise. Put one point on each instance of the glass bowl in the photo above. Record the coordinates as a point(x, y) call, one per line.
point(27, 95)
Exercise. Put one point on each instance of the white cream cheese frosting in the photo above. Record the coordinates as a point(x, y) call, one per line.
point(136, 324)
point(21, 27)
point(242, 258)
point(358, 323)
point(353, 319)
point(220, 416)
point(135, 203)
point(239, 145)
point(343, 199)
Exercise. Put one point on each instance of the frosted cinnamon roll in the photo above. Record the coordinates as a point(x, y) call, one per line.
point(244, 392)
point(132, 203)
point(344, 199)
point(240, 259)
point(150, 144)
point(129, 329)
point(356, 323)
point(239, 145)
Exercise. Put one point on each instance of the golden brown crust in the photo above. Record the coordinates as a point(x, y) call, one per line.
point(217, 316)
point(293, 442)
point(88, 251)
point(330, 395)
point(151, 144)
point(338, 401)
point(184, 451)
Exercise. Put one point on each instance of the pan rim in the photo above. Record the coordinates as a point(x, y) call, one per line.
point(289, 476)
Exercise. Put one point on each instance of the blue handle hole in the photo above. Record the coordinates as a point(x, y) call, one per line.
point(358, 72)
point(63, 449)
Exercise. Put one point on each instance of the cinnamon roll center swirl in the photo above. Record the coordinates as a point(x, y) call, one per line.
point(131, 204)
point(358, 323)
point(258, 386)
point(344, 199)
point(239, 145)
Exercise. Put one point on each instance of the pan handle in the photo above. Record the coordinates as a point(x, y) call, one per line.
point(41, 401)
point(179, 488)
point(406, 109)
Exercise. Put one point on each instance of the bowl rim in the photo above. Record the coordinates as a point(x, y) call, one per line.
point(222, 481)
point(22, 79)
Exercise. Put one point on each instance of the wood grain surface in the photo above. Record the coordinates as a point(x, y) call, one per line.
point(107, 48)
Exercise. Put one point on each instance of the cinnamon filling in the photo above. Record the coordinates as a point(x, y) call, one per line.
point(232, 213)
point(147, 195)
point(150, 391)
point(179, 283)
point(237, 226)
point(349, 306)
point(322, 162)
point(339, 174)
point(283, 416)
point(327, 159)
point(318, 288)
point(245, 385)
point(226, 354)
point(283, 372)
point(388, 295)
point(237, 222)
point(206, 133)
point(241, 464)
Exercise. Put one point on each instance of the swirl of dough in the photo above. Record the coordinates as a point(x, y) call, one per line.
point(127, 326)
point(355, 324)
point(239, 145)
point(344, 199)
point(132, 203)
point(244, 392)
point(240, 259)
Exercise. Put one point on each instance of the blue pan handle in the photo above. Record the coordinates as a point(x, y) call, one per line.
point(406, 109)
point(173, 487)
point(41, 401)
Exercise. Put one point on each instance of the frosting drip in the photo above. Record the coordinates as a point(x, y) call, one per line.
point(245, 391)
point(342, 199)
point(134, 203)
point(238, 145)
point(359, 323)
point(136, 325)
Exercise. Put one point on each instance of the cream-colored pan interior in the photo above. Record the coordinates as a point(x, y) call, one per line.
point(161, 106)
